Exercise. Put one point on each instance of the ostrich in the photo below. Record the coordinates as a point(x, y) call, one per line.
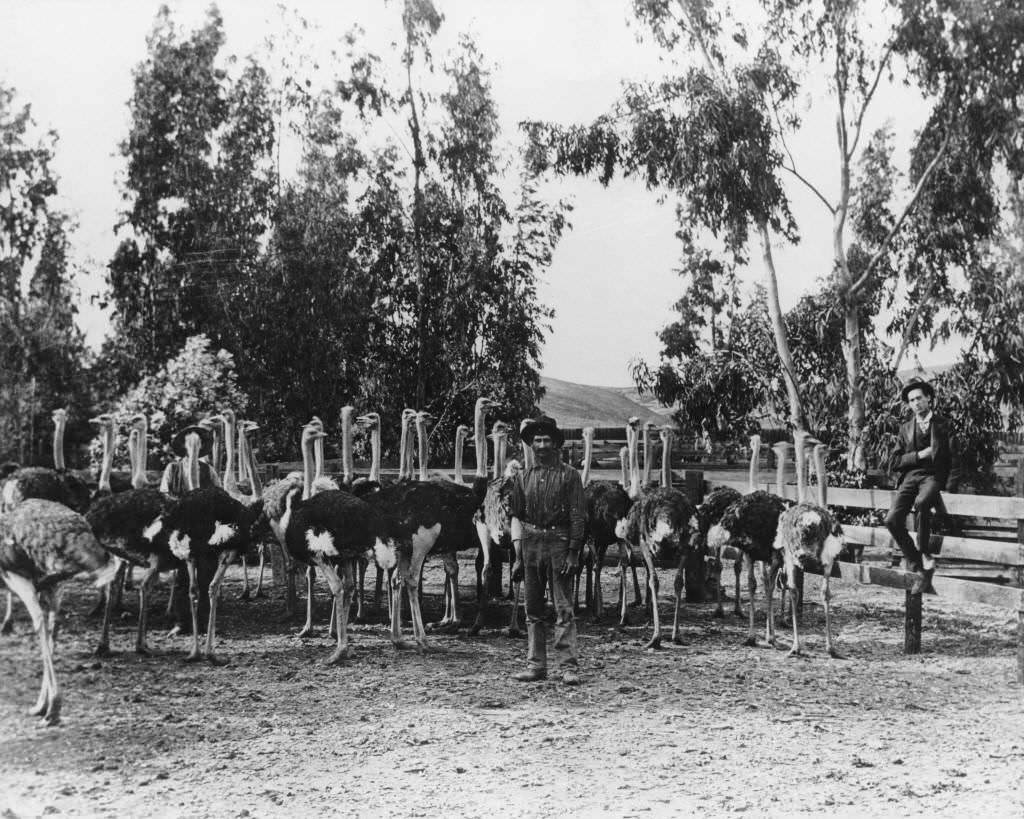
point(659, 520)
point(55, 484)
point(493, 521)
point(42, 544)
point(332, 530)
point(461, 433)
point(808, 537)
point(127, 525)
point(207, 528)
point(246, 454)
point(634, 490)
point(607, 508)
point(750, 525)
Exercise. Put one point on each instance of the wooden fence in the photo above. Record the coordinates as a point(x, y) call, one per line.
point(1002, 549)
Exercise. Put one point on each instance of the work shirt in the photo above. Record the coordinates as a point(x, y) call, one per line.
point(173, 480)
point(924, 425)
point(551, 496)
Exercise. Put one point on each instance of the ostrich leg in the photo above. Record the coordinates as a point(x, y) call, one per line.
point(342, 588)
point(8, 624)
point(752, 588)
point(791, 583)
point(193, 601)
point(768, 572)
point(103, 649)
point(652, 588)
point(307, 629)
point(211, 626)
point(145, 589)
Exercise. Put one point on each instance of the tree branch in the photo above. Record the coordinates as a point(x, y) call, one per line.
point(811, 187)
point(905, 341)
point(867, 100)
point(857, 285)
point(792, 162)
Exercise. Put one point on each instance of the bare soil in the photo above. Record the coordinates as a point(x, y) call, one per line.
point(711, 725)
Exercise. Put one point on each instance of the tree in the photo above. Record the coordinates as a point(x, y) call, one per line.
point(197, 380)
point(198, 187)
point(717, 135)
point(41, 349)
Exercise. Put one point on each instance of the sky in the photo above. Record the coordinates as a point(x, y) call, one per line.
point(612, 280)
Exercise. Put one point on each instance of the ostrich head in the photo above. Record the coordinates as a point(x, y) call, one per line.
point(60, 416)
point(370, 420)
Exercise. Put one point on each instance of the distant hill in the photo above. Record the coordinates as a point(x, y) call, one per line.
point(583, 405)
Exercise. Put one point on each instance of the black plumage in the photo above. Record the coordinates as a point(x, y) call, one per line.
point(709, 514)
point(608, 506)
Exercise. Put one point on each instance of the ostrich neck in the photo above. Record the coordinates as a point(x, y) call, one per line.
point(403, 442)
point(801, 479)
point(230, 482)
point(624, 463)
point(375, 454)
point(318, 458)
point(780, 471)
point(460, 442)
point(240, 463)
point(647, 455)
point(480, 432)
point(137, 445)
point(588, 451)
point(421, 446)
point(216, 448)
point(528, 460)
point(346, 445)
point(307, 468)
point(634, 464)
point(191, 467)
point(108, 458)
point(58, 446)
point(255, 484)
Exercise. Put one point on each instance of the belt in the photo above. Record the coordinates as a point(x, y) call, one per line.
point(554, 527)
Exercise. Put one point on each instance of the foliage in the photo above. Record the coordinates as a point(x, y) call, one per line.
point(198, 189)
point(196, 382)
point(41, 349)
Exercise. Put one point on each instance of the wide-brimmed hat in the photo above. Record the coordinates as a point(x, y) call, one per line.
point(917, 384)
point(543, 425)
point(205, 440)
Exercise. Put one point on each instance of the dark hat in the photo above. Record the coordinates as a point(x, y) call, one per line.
point(543, 425)
point(205, 441)
point(917, 384)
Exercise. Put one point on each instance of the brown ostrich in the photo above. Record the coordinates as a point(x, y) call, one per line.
point(809, 537)
point(42, 544)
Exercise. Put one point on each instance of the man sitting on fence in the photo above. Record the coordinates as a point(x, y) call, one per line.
point(924, 459)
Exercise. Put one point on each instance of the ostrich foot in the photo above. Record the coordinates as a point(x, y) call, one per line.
point(244, 595)
point(750, 641)
point(654, 642)
point(308, 631)
point(259, 593)
point(719, 613)
point(102, 650)
point(193, 657)
point(405, 645)
point(835, 655)
point(215, 660)
point(339, 655)
point(795, 651)
point(143, 651)
point(444, 628)
point(511, 631)
point(678, 640)
point(7, 627)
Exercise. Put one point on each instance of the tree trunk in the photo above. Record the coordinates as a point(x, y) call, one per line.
point(796, 410)
point(419, 163)
point(855, 414)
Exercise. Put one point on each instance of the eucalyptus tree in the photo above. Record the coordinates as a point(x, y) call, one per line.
point(718, 135)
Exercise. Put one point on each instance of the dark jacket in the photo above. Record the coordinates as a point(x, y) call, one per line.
point(944, 463)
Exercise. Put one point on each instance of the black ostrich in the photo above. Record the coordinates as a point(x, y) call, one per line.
point(42, 544)
point(709, 514)
point(809, 537)
point(125, 524)
point(750, 525)
point(332, 530)
point(207, 529)
point(608, 505)
point(660, 523)
point(57, 484)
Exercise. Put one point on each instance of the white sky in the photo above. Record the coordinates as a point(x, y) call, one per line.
point(611, 282)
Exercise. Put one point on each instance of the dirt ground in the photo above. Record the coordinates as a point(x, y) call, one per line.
point(711, 726)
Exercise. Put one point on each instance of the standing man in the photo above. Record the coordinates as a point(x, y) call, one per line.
point(547, 530)
point(924, 460)
point(173, 480)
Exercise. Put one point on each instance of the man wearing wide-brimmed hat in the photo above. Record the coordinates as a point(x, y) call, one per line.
point(173, 480)
point(547, 504)
point(924, 460)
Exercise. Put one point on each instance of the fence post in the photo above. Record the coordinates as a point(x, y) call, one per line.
point(1020, 579)
point(912, 618)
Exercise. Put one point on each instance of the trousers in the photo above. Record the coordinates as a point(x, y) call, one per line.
point(918, 492)
point(544, 553)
